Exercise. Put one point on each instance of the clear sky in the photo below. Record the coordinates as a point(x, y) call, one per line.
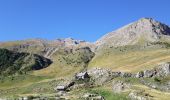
point(80, 19)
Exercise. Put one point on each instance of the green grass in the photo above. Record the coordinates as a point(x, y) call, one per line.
point(66, 64)
point(130, 58)
point(109, 95)
point(19, 81)
point(23, 85)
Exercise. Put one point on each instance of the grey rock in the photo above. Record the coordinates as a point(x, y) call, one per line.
point(64, 86)
point(89, 96)
point(139, 74)
point(156, 85)
point(163, 69)
point(60, 88)
point(123, 74)
point(116, 74)
point(82, 76)
point(149, 73)
point(120, 86)
point(135, 96)
point(100, 76)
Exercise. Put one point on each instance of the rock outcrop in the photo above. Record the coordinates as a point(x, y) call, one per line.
point(99, 75)
point(137, 96)
point(163, 69)
point(89, 96)
point(120, 86)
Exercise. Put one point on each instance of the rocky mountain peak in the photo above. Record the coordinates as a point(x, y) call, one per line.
point(143, 30)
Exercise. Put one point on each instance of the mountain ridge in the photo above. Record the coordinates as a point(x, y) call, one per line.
point(147, 29)
point(143, 30)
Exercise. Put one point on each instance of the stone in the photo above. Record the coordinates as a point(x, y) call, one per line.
point(81, 76)
point(120, 86)
point(64, 86)
point(135, 96)
point(61, 93)
point(163, 69)
point(123, 74)
point(100, 75)
point(60, 88)
point(149, 73)
point(89, 96)
point(116, 74)
point(139, 74)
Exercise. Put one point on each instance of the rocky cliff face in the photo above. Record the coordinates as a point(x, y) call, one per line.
point(142, 31)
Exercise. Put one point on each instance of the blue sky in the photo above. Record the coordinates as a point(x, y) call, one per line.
point(80, 19)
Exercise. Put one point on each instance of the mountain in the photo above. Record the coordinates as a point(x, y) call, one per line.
point(42, 47)
point(13, 62)
point(143, 31)
point(130, 63)
point(134, 47)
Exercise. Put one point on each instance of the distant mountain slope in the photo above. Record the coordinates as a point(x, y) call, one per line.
point(143, 31)
point(42, 47)
point(13, 62)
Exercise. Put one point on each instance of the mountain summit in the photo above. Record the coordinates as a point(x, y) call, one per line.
point(142, 31)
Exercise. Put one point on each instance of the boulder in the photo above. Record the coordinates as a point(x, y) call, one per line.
point(135, 96)
point(123, 74)
point(120, 86)
point(163, 69)
point(64, 87)
point(89, 96)
point(139, 74)
point(149, 73)
point(82, 76)
point(60, 88)
point(100, 75)
point(116, 74)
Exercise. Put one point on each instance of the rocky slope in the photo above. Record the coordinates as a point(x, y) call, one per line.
point(143, 31)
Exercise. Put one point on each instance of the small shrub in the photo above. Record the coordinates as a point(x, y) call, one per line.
point(157, 79)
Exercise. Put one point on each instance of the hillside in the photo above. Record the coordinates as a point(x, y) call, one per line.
point(131, 63)
point(13, 62)
point(137, 46)
point(42, 47)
